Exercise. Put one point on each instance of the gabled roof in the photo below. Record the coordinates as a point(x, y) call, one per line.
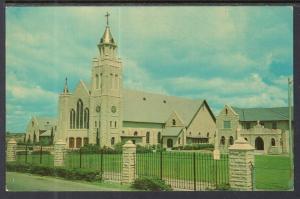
point(171, 131)
point(46, 123)
point(263, 114)
point(141, 106)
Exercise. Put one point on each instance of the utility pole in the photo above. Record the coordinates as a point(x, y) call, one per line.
point(291, 132)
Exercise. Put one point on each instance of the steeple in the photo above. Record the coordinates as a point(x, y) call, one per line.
point(66, 90)
point(107, 45)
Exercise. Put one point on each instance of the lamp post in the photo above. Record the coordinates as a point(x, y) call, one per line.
point(291, 137)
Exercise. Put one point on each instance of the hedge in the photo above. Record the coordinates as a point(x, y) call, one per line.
point(150, 184)
point(66, 173)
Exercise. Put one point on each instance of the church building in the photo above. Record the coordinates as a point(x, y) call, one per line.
point(102, 112)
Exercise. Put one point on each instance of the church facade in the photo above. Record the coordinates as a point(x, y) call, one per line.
point(104, 113)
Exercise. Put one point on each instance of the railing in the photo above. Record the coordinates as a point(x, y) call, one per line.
point(185, 170)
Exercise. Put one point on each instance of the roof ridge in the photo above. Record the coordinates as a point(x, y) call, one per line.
point(162, 95)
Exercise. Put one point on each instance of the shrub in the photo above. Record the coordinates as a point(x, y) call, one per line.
point(223, 187)
point(143, 149)
point(66, 173)
point(151, 184)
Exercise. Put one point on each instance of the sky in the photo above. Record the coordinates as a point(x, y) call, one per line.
point(240, 56)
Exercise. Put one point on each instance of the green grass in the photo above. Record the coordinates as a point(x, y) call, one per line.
point(272, 172)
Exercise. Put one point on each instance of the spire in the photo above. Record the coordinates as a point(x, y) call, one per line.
point(66, 90)
point(107, 37)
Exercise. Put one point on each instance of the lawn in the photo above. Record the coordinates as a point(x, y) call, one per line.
point(271, 173)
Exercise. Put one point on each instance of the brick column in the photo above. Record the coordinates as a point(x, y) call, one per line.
point(11, 150)
point(129, 156)
point(240, 172)
point(59, 147)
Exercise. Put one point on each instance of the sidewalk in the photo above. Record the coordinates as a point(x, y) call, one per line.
point(28, 182)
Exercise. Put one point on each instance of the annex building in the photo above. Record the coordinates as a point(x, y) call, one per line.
point(267, 129)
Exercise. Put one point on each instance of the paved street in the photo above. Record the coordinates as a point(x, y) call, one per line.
point(28, 182)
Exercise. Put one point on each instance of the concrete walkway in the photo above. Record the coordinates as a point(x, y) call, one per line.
point(28, 182)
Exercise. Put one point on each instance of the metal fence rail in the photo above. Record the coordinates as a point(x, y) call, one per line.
point(109, 165)
point(185, 170)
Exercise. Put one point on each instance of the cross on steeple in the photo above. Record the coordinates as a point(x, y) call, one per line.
point(107, 15)
point(66, 90)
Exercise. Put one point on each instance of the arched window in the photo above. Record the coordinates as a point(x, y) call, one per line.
point(179, 140)
point(135, 133)
point(97, 81)
point(159, 137)
point(112, 141)
point(85, 141)
point(273, 142)
point(71, 142)
point(78, 142)
point(86, 118)
point(173, 122)
point(115, 124)
point(148, 137)
point(231, 140)
point(207, 135)
point(222, 141)
point(72, 119)
point(34, 137)
point(79, 115)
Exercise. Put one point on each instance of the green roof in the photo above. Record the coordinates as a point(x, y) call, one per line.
point(141, 106)
point(263, 114)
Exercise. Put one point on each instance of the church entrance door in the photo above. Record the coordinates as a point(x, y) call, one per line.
point(259, 143)
point(169, 143)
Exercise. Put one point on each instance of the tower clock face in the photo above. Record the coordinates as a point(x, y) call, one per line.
point(98, 108)
point(113, 109)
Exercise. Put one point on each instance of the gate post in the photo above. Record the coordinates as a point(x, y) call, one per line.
point(241, 160)
point(128, 164)
point(59, 147)
point(11, 150)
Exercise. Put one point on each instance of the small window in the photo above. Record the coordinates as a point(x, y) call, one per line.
point(179, 140)
point(274, 125)
point(135, 133)
point(273, 142)
point(95, 123)
point(165, 101)
point(32, 123)
point(110, 123)
point(190, 133)
point(227, 124)
point(222, 141)
point(144, 98)
point(115, 124)
point(226, 111)
point(159, 137)
point(231, 140)
point(207, 135)
point(148, 137)
point(261, 123)
point(112, 141)
point(173, 122)
point(123, 132)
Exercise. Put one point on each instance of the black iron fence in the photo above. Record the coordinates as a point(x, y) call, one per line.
point(185, 170)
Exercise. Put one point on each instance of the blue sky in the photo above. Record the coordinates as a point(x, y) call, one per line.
point(240, 56)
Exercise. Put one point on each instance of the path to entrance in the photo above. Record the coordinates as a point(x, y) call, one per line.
point(28, 182)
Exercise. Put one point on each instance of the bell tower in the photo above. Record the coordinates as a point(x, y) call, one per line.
point(106, 92)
